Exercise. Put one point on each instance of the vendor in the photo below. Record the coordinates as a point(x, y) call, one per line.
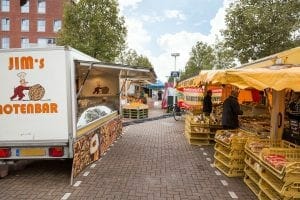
point(231, 110)
point(294, 105)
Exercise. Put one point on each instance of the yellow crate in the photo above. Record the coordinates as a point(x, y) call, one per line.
point(229, 153)
point(266, 143)
point(230, 163)
point(252, 185)
point(293, 161)
point(227, 171)
point(236, 141)
point(198, 141)
point(269, 191)
point(287, 189)
point(197, 129)
point(252, 174)
point(263, 196)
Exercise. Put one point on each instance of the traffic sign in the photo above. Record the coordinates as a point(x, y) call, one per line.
point(174, 73)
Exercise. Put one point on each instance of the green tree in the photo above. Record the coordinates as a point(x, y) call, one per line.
point(131, 57)
point(95, 28)
point(224, 57)
point(201, 57)
point(256, 29)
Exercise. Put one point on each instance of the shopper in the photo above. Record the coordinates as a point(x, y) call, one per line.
point(231, 110)
point(207, 104)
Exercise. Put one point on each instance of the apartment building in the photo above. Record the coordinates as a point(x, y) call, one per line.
point(27, 23)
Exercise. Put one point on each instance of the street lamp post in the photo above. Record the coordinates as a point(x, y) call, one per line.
point(174, 78)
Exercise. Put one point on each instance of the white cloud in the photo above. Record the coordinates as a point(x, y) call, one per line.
point(128, 3)
point(152, 18)
point(174, 14)
point(137, 36)
point(218, 22)
point(180, 42)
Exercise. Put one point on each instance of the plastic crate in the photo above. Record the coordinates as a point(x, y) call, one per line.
point(291, 155)
point(236, 142)
point(266, 143)
point(197, 140)
point(229, 153)
point(230, 163)
point(252, 174)
point(252, 185)
point(196, 129)
point(228, 171)
point(270, 192)
point(263, 196)
point(287, 189)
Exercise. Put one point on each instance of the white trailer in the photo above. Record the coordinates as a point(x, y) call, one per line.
point(44, 93)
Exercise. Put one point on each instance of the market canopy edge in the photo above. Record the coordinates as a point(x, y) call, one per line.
point(278, 72)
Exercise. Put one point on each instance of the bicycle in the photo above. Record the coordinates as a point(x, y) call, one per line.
point(178, 112)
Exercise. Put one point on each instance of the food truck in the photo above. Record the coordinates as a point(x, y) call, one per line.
point(59, 103)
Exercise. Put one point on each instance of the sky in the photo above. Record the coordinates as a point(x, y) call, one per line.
point(158, 28)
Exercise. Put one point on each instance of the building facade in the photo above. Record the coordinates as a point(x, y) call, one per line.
point(27, 23)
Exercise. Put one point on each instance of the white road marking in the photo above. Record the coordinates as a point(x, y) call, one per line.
point(208, 159)
point(86, 173)
point(66, 196)
point(218, 173)
point(93, 165)
point(77, 183)
point(224, 182)
point(212, 165)
point(204, 153)
point(233, 195)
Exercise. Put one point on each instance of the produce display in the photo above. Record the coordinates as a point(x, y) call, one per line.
point(198, 129)
point(257, 146)
point(135, 110)
point(276, 161)
point(229, 151)
point(272, 169)
point(256, 124)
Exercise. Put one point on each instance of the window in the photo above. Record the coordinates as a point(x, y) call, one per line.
point(24, 42)
point(25, 25)
point(41, 25)
point(5, 43)
point(5, 5)
point(24, 6)
point(56, 25)
point(45, 41)
point(5, 24)
point(41, 6)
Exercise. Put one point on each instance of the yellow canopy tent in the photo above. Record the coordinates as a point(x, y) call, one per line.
point(277, 72)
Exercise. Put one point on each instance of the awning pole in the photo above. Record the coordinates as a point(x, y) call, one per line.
point(277, 115)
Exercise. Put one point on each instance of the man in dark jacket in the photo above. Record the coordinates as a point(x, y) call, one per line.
point(231, 110)
point(207, 104)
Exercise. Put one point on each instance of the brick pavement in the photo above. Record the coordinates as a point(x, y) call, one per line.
point(153, 160)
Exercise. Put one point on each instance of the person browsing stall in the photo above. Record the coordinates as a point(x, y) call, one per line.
point(207, 103)
point(231, 110)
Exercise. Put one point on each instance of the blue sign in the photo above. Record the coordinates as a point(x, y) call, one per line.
point(174, 73)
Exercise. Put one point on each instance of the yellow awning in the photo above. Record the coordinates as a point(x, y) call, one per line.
point(278, 71)
point(262, 78)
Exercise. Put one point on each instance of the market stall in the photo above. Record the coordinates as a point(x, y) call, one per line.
point(271, 165)
point(99, 88)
